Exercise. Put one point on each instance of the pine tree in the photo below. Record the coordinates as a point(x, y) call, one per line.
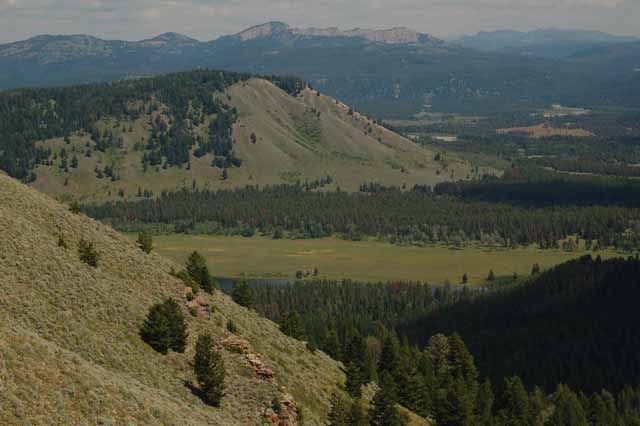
point(390, 355)
point(455, 406)
point(88, 253)
point(145, 241)
point(354, 379)
point(515, 409)
point(209, 370)
point(197, 268)
point(383, 411)
point(462, 364)
point(492, 276)
point(484, 404)
point(568, 410)
point(340, 412)
point(358, 415)
point(602, 411)
point(74, 162)
point(165, 327)
point(292, 326)
point(242, 294)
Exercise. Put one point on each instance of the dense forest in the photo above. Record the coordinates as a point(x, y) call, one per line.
point(182, 100)
point(554, 349)
point(497, 213)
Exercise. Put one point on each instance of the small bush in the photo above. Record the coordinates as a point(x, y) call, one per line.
point(165, 327)
point(61, 242)
point(231, 327)
point(145, 242)
point(74, 208)
point(88, 253)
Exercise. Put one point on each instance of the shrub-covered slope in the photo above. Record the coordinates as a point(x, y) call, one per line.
point(69, 346)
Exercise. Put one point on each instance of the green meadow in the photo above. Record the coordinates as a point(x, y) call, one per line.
point(261, 257)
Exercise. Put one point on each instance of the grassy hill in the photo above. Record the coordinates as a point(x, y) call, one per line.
point(279, 138)
point(69, 346)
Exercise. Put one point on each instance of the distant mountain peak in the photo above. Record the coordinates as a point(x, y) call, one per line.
point(169, 38)
point(263, 30)
point(396, 35)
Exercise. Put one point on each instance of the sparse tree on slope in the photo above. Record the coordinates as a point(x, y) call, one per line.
point(197, 268)
point(165, 327)
point(145, 241)
point(209, 369)
point(242, 294)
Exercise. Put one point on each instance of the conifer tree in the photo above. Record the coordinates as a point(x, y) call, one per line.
point(358, 415)
point(145, 241)
point(455, 406)
point(292, 326)
point(88, 253)
point(515, 409)
point(209, 369)
point(340, 412)
point(568, 410)
point(354, 379)
point(462, 364)
point(242, 294)
point(383, 411)
point(197, 268)
point(165, 327)
point(602, 410)
point(484, 404)
point(390, 355)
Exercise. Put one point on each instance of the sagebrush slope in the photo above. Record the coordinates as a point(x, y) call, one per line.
point(69, 346)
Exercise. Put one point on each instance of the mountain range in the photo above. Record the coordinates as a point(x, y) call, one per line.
point(550, 42)
point(395, 72)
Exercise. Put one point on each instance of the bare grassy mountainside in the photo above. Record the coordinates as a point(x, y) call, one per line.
point(279, 138)
point(70, 353)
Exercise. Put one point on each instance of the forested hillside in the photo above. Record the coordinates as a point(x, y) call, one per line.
point(552, 349)
point(209, 129)
point(576, 324)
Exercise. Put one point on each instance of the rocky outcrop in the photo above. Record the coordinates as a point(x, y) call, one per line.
point(287, 414)
point(238, 345)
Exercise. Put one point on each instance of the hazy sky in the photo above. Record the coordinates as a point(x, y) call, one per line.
point(208, 19)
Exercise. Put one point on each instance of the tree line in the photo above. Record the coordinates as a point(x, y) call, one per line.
point(494, 213)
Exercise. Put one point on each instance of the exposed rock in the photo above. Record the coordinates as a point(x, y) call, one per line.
point(253, 360)
point(288, 415)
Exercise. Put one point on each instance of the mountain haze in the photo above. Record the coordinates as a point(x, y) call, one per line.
point(394, 72)
point(550, 42)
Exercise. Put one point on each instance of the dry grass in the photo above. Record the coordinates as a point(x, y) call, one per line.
point(69, 349)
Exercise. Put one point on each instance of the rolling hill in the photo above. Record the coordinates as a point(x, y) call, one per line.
point(69, 346)
point(203, 129)
point(387, 73)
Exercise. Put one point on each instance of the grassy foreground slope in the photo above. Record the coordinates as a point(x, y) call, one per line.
point(279, 138)
point(69, 346)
